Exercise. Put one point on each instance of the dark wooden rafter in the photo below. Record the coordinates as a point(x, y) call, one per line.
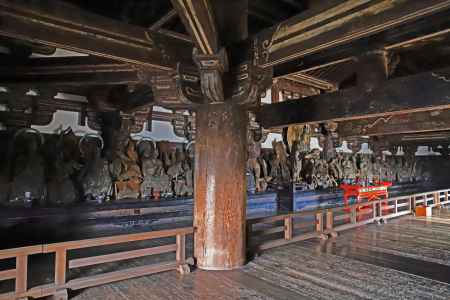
point(67, 71)
point(61, 25)
point(434, 120)
point(315, 82)
point(157, 26)
point(198, 18)
point(335, 32)
point(422, 92)
point(164, 19)
point(293, 88)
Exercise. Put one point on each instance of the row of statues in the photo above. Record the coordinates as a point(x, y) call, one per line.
point(316, 169)
point(64, 169)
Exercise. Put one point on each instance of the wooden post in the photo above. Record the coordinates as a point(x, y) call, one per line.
point(330, 219)
point(319, 222)
point(353, 214)
point(181, 249)
point(437, 199)
point(288, 229)
point(22, 273)
point(220, 186)
point(60, 267)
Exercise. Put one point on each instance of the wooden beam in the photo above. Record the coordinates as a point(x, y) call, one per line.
point(339, 23)
point(434, 120)
point(315, 82)
point(166, 18)
point(65, 26)
point(67, 71)
point(198, 18)
point(422, 92)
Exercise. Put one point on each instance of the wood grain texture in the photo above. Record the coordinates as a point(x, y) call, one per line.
point(417, 93)
point(220, 187)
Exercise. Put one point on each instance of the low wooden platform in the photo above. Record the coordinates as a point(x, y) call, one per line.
point(406, 258)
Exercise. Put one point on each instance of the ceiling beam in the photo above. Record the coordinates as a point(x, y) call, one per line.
point(67, 71)
point(313, 81)
point(198, 19)
point(313, 36)
point(419, 122)
point(166, 18)
point(61, 25)
point(422, 92)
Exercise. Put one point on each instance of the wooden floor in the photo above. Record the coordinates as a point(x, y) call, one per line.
point(404, 259)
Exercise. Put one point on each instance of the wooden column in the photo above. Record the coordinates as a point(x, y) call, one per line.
point(220, 186)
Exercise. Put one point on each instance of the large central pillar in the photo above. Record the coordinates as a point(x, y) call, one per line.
point(220, 186)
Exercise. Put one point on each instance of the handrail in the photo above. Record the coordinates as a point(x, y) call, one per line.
point(63, 264)
point(322, 223)
point(272, 231)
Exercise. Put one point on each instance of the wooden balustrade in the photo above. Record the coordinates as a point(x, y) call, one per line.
point(263, 233)
point(63, 264)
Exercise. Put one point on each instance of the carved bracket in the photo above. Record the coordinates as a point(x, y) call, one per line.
point(188, 85)
point(211, 68)
point(249, 83)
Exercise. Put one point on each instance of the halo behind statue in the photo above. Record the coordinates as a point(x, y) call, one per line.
point(29, 130)
point(90, 135)
point(145, 139)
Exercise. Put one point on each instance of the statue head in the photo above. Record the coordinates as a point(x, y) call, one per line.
point(146, 149)
point(90, 145)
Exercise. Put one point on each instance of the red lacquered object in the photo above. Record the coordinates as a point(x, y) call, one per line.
point(371, 192)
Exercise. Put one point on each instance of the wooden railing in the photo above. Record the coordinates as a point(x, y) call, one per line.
point(63, 264)
point(268, 232)
point(263, 233)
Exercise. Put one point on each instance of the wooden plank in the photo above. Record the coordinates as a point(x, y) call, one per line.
point(67, 71)
point(423, 92)
point(8, 274)
point(338, 23)
point(433, 120)
point(342, 217)
point(281, 242)
point(198, 19)
point(13, 252)
point(22, 273)
point(288, 228)
point(95, 280)
point(265, 231)
point(60, 267)
point(104, 241)
point(180, 248)
point(65, 26)
point(319, 221)
point(352, 225)
point(101, 259)
point(166, 18)
point(302, 225)
point(329, 220)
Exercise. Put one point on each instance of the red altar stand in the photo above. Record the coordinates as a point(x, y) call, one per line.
point(371, 192)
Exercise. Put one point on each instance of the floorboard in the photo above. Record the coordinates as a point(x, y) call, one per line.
point(403, 259)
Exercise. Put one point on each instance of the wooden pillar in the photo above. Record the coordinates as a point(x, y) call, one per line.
point(220, 186)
